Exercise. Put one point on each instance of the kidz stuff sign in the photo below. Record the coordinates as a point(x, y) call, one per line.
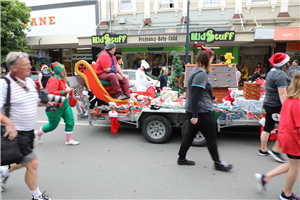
point(107, 38)
point(210, 36)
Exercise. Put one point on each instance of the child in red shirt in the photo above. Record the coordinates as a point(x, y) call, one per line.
point(289, 141)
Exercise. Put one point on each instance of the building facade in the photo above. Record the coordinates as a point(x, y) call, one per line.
point(251, 30)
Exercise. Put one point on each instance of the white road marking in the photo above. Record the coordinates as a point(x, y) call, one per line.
point(86, 124)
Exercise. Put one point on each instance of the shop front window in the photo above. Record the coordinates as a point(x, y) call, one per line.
point(211, 1)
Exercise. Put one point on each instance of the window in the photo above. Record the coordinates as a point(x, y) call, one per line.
point(211, 1)
point(121, 32)
point(166, 3)
point(156, 31)
point(136, 32)
point(258, 0)
point(126, 5)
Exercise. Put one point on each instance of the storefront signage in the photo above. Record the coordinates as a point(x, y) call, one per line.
point(210, 36)
point(82, 56)
point(107, 38)
point(264, 33)
point(169, 38)
point(155, 48)
point(283, 34)
point(293, 46)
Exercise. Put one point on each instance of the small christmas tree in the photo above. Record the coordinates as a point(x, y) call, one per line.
point(176, 83)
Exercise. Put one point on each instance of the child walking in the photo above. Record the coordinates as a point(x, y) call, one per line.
point(163, 78)
point(289, 142)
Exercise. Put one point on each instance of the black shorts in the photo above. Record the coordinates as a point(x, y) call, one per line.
point(270, 123)
point(26, 140)
point(293, 157)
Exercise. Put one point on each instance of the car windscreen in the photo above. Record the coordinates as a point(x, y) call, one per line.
point(151, 76)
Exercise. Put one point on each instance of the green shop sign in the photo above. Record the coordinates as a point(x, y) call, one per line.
point(210, 36)
point(107, 38)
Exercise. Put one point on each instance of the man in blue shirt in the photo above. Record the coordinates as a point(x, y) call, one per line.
point(294, 68)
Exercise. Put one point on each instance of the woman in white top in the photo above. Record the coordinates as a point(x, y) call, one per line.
point(141, 81)
point(44, 76)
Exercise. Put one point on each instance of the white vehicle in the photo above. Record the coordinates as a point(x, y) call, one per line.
point(131, 72)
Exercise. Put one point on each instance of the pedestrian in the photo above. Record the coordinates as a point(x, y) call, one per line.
point(266, 68)
point(276, 91)
point(294, 68)
point(163, 78)
point(198, 109)
point(289, 141)
point(23, 115)
point(106, 70)
point(4, 70)
point(238, 73)
point(155, 70)
point(57, 85)
point(259, 68)
point(44, 76)
point(141, 80)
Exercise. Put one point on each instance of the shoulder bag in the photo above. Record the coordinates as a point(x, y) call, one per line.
point(10, 150)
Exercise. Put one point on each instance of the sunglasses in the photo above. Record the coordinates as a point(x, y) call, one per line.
point(23, 55)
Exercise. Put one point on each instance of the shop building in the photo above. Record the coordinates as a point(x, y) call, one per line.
point(153, 29)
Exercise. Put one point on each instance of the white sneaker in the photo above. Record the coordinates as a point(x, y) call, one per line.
point(72, 142)
point(38, 138)
point(3, 179)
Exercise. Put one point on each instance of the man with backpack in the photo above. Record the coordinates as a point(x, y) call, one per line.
point(22, 118)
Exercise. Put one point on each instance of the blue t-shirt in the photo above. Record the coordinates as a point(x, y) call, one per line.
point(163, 79)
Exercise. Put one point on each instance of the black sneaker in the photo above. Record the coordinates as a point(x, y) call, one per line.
point(223, 166)
point(260, 182)
point(263, 153)
point(42, 197)
point(276, 156)
point(185, 161)
point(291, 197)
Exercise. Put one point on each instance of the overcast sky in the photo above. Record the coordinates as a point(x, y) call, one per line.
point(45, 2)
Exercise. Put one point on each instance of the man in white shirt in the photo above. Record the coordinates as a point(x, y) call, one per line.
point(22, 119)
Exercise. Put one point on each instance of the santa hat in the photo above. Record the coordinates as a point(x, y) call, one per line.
point(113, 120)
point(44, 66)
point(57, 67)
point(279, 59)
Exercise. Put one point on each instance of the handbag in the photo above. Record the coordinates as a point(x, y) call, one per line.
point(72, 100)
point(10, 149)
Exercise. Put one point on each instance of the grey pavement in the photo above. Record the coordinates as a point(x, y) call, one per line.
point(127, 166)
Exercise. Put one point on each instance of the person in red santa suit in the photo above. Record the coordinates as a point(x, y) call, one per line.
point(230, 98)
point(58, 85)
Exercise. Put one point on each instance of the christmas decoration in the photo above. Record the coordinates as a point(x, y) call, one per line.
point(252, 90)
point(230, 98)
point(114, 122)
point(228, 57)
point(177, 78)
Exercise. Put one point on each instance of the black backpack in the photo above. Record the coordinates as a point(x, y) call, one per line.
point(10, 150)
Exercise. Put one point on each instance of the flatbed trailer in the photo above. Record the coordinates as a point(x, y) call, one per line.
point(156, 125)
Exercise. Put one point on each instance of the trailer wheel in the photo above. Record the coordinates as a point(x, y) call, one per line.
point(199, 139)
point(157, 129)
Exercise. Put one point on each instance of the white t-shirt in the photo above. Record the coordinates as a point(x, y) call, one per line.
point(24, 105)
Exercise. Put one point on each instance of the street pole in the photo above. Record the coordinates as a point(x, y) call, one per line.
point(187, 33)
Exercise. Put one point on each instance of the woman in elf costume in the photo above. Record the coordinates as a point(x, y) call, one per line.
point(58, 85)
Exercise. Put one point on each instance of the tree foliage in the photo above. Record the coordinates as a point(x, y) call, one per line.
point(177, 79)
point(14, 14)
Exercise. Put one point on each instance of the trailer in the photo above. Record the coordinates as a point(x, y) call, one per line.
point(156, 125)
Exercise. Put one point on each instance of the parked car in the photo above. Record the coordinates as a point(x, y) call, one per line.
point(131, 72)
point(35, 75)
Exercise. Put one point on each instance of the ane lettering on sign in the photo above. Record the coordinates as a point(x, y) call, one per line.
point(42, 21)
point(287, 35)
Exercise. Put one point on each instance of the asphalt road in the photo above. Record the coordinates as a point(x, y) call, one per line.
point(127, 166)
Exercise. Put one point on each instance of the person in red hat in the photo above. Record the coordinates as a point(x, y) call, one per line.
point(289, 141)
point(58, 85)
point(276, 92)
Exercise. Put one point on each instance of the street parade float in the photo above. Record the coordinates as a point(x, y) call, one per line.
point(157, 113)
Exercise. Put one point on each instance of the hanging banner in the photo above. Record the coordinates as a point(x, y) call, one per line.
point(210, 36)
point(107, 38)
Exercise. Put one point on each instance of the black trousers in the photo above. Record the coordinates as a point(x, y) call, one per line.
point(206, 125)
